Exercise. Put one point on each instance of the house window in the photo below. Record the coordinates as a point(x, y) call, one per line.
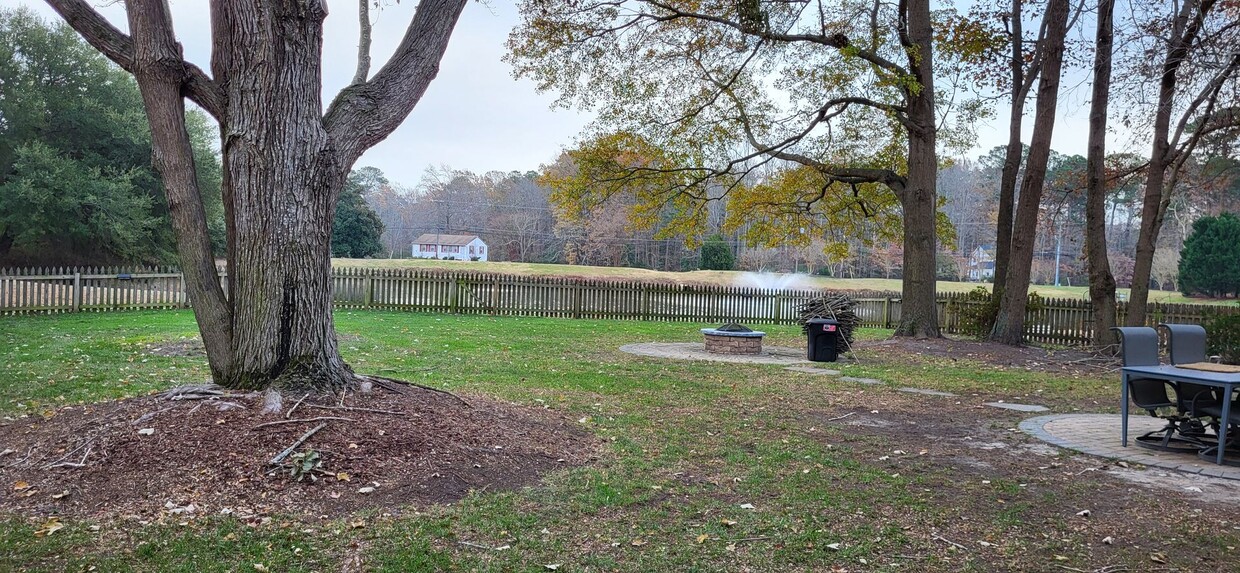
point(471, 249)
point(482, 250)
point(428, 248)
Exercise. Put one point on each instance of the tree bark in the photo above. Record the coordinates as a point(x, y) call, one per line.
point(1009, 324)
point(919, 315)
point(1101, 281)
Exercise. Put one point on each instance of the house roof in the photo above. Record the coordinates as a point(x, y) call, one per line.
point(439, 239)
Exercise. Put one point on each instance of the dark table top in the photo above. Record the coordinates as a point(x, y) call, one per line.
point(1187, 374)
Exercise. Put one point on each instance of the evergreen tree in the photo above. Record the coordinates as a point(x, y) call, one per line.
point(357, 229)
point(76, 182)
point(1210, 259)
point(717, 255)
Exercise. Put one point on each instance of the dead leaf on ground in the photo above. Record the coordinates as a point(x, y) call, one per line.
point(51, 526)
point(1159, 557)
point(21, 485)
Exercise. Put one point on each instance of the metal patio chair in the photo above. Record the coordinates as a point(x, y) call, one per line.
point(1139, 347)
point(1186, 343)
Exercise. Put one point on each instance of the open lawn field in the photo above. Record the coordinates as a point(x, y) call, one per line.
point(700, 466)
point(732, 278)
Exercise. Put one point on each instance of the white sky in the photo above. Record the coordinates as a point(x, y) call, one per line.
point(475, 116)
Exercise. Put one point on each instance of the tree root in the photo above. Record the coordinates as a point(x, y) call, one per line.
point(398, 386)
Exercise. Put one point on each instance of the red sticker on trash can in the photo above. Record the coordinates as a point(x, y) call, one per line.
point(828, 328)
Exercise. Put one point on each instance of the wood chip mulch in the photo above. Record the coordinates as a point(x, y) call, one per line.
point(149, 456)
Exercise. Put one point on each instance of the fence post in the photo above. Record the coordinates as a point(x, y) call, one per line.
point(577, 300)
point(645, 302)
point(370, 290)
point(454, 296)
point(77, 291)
point(887, 312)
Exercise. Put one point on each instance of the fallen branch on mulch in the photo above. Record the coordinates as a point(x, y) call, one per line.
point(199, 392)
point(289, 450)
point(300, 420)
point(289, 413)
point(355, 409)
point(949, 542)
point(61, 463)
point(396, 386)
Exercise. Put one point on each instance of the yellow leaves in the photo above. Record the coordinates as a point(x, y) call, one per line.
point(21, 485)
point(52, 525)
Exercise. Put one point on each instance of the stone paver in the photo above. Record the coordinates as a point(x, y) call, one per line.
point(1018, 407)
point(697, 351)
point(928, 392)
point(812, 370)
point(860, 380)
point(1098, 434)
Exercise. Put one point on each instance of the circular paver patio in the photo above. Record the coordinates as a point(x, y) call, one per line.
point(697, 351)
point(1098, 434)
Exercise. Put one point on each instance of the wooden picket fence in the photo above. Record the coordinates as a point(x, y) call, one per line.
point(46, 290)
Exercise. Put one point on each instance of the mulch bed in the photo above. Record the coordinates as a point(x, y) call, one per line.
point(200, 459)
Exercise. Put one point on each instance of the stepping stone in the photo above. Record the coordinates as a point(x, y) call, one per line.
point(927, 392)
point(812, 370)
point(860, 380)
point(1018, 407)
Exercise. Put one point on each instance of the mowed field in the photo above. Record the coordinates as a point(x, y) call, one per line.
point(730, 278)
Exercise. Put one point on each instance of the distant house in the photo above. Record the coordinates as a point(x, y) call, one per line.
point(981, 265)
point(453, 247)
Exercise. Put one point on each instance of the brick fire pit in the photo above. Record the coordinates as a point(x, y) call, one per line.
point(733, 339)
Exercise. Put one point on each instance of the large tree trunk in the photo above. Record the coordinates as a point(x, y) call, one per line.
point(919, 311)
point(1101, 281)
point(283, 177)
point(1009, 324)
point(284, 165)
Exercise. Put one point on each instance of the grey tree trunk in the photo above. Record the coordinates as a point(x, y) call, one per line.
point(1009, 324)
point(284, 165)
point(1101, 281)
point(919, 198)
point(1012, 159)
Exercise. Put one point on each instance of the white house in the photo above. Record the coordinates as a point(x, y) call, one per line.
point(981, 265)
point(453, 247)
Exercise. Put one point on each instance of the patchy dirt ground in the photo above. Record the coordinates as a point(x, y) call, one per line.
point(149, 456)
point(1063, 361)
point(980, 471)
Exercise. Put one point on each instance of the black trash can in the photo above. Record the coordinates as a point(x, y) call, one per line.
point(824, 340)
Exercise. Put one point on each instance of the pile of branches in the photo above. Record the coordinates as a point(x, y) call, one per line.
point(832, 306)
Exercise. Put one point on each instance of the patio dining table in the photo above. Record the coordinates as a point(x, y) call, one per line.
point(1228, 381)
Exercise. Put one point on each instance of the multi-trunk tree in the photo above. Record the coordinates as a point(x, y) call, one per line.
point(1101, 281)
point(1196, 95)
point(285, 161)
point(694, 97)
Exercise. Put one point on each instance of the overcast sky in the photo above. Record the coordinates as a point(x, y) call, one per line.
point(475, 116)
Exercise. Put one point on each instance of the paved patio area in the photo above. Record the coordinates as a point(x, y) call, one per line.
point(1098, 434)
point(697, 351)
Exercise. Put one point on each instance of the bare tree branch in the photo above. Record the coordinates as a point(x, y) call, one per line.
point(119, 48)
point(363, 42)
point(365, 114)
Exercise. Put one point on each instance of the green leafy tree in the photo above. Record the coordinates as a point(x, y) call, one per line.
point(357, 229)
point(1210, 259)
point(717, 255)
point(76, 181)
point(686, 110)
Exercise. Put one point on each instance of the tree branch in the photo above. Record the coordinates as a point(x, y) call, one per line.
point(119, 48)
point(363, 42)
point(365, 114)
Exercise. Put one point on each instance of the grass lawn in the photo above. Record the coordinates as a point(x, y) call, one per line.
point(733, 278)
point(706, 467)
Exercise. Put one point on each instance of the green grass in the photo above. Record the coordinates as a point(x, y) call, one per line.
point(687, 444)
point(726, 278)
